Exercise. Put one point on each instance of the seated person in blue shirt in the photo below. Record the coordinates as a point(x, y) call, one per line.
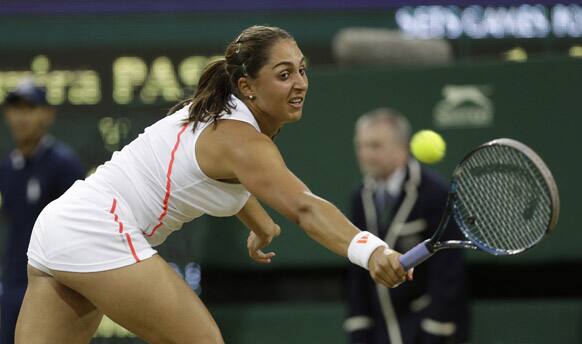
point(38, 170)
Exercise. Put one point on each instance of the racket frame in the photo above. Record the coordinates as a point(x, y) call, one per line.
point(427, 248)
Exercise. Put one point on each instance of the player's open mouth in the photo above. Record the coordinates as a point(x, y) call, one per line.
point(296, 102)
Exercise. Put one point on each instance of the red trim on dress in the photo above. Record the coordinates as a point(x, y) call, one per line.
point(116, 219)
point(131, 247)
point(168, 182)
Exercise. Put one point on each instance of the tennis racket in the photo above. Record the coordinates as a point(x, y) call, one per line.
point(502, 197)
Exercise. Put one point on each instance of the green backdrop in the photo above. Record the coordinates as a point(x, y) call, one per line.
point(537, 103)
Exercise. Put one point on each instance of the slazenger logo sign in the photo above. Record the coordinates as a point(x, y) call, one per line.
point(464, 106)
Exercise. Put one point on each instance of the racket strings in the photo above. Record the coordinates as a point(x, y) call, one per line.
point(502, 199)
point(507, 236)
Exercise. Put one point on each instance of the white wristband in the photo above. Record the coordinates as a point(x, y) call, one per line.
point(362, 246)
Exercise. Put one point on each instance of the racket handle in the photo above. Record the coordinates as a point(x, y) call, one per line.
point(415, 255)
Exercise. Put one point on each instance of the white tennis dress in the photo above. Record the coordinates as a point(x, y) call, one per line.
point(134, 201)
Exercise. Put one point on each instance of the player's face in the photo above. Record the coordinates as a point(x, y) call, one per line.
point(379, 152)
point(27, 123)
point(281, 84)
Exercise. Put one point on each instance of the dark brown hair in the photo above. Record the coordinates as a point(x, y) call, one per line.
point(244, 56)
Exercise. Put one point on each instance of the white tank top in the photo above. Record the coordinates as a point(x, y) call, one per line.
point(158, 178)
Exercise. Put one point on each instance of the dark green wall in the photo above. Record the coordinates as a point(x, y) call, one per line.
point(537, 103)
point(210, 31)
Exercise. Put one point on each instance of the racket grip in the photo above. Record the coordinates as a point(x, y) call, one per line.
point(415, 255)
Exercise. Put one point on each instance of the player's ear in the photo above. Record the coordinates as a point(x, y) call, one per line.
point(245, 87)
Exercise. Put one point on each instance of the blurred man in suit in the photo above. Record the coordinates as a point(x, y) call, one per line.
point(402, 202)
point(38, 170)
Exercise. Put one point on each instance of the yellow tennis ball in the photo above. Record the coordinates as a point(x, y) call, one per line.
point(427, 146)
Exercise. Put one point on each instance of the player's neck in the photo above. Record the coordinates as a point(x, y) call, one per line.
point(267, 125)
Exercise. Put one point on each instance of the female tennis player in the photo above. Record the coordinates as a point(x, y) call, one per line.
point(91, 250)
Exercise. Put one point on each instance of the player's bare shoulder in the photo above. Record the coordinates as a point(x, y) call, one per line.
point(234, 135)
point(246, 144)
point(231, 143)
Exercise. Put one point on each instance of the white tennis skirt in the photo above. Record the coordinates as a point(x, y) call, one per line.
point(86, 230)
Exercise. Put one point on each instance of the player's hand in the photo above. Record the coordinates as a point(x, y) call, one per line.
point(256, 243)
point(385, 268)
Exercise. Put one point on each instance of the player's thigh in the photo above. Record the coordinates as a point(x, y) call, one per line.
point(54, 313)
point(149, 299)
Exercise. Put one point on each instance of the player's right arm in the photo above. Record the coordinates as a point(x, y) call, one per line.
point(256, 162)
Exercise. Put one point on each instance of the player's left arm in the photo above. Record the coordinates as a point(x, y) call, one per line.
point(263, 229)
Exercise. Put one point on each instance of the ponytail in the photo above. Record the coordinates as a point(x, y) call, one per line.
point(212, 97)
point(244, 57)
